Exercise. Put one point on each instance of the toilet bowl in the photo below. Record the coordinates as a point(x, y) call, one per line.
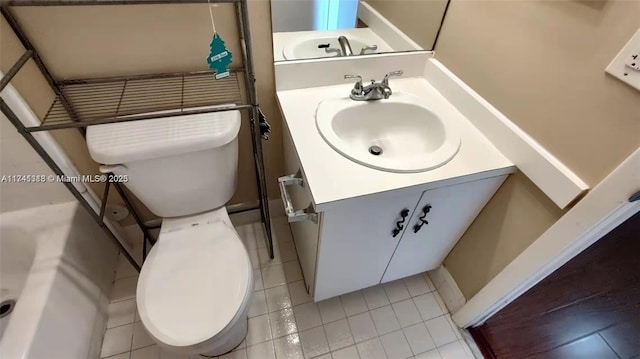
point(196, 284)
point(195, 287)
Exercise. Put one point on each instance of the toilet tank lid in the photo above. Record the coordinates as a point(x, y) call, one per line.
point(124, 142)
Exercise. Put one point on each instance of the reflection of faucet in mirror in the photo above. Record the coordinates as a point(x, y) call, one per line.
point(345, 46)
point(299, 26)
point(375, 91)
point(366, 48)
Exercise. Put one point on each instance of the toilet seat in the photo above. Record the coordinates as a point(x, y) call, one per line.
point(194, 282)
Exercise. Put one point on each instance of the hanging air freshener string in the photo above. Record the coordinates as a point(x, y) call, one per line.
point(213, 24)
point(219, 57)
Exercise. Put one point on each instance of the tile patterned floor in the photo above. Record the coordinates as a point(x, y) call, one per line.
point(401, 319)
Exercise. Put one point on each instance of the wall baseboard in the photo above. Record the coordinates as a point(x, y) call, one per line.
point(447, 288)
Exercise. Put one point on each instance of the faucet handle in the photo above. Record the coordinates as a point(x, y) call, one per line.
point(330, 50)
point(357, 88)
point(367, 48)
point(385, 81)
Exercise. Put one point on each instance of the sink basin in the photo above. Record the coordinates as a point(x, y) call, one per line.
point(399, 134)
point(307, 48)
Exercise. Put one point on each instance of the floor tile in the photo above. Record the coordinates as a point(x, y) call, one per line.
point(273, 276)
point(346, 353)
point(395, 345)
point(331, 310)
point(375, 297)
point(338, 334)
point(140, 337)
point(257, 280)
point(246, 233)
point(353, 303)
point(277, 298)
point(259, 330)
point(298, 293)
point(440, 302)
point(455, 350)
point(429, 280)
point(432, 354)
point(406, 312)
point(121, 313)
point(261, 351)
point(419, 339)
point(362, 327)
point(288, 347)
point(453, 325)
point(117, 340)
point(120, 356)
point(371, 349)
point(165, 354)
point(307, 316)
point(283, 323)
point(124, 269)
point(396, 291)
point(255, 259)
point(287, 251)
point(124, 289)
point(314, 342)
point(428, 306)
point(416, 285)
point(237, 354)
point(258, 304)
point(324, 356)
point(148, 352)
point(292, 271)
point(265, 260)
point(385, 320)
point(441, 331)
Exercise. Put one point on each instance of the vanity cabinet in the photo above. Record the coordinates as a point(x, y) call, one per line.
point(367, 240)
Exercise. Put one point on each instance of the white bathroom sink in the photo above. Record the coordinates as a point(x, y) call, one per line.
point(399, 134)
point(307, 48)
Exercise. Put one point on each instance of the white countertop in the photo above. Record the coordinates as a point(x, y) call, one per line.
point(332, 177)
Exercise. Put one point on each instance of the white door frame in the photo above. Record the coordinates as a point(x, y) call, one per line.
point(601, 210)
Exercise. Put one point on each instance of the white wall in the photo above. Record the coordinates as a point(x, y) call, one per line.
point(18, 158)
point(308, 15)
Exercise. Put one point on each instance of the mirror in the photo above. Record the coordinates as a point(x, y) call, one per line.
point(315, 29)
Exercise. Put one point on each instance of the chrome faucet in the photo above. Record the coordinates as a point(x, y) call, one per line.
point(374, 91)
point(345, 46)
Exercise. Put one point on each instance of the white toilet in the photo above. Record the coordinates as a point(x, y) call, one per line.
point(196, 284)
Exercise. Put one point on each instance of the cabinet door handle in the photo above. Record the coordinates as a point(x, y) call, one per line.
point(421, 220)
point(400, 224)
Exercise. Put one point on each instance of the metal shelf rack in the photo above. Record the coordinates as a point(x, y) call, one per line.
point(85, 102)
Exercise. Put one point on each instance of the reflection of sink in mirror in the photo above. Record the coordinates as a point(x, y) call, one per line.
point(314, 47)
point(400, 134)
point(295, 45)
point(401, 25)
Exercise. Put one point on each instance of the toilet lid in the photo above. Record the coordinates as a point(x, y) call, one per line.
point(193, 283)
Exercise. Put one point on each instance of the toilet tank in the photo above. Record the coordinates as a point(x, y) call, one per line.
point(177, 165)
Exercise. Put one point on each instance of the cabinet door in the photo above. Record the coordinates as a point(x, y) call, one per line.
point(357, 241)
point(449, 212)
point(305, 233)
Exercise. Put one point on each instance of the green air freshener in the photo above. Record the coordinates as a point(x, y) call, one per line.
point(219, 57)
